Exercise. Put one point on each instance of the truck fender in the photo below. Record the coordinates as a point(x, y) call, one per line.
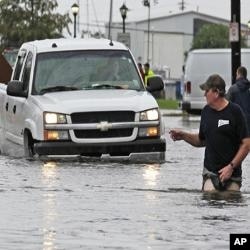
point(32, 127)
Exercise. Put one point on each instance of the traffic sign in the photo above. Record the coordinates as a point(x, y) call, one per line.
point(234, 32)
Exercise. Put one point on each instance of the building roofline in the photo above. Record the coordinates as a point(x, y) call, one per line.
point(186, 13)
point(182, 14)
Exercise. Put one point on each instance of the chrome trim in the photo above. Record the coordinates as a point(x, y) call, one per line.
point(103, 126)
point(149, 157)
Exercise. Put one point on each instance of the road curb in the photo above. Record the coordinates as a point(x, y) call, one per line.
point(172, 112)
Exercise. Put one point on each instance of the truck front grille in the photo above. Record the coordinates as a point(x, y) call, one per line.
point(97, 117)
point(109, 116)
point(103, 134)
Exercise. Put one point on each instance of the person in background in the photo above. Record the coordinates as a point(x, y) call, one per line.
point(240, 93)
point(110, 71)
point(223, 133)
point(148, 72)
point(141, 71)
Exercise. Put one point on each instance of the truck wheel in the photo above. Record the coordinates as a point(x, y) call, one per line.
point(28, 145)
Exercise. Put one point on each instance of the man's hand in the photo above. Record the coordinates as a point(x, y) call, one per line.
point(225, 173)
point(176, 134)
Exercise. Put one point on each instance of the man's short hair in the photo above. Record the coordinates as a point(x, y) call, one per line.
point(242, 71)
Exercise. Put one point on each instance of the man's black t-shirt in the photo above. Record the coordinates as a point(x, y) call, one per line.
point(222, 132)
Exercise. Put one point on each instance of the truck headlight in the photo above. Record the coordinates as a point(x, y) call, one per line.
point(53, 135)
point(149, 115)
point(54, 118)
point(149, 132)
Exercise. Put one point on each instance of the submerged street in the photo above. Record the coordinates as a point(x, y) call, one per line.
point(72, 204)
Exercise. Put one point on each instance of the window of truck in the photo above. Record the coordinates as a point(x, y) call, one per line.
point(19, 64)
point(86, 70)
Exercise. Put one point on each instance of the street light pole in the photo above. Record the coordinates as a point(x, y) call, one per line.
point(248, 33)
point(110, 18)
point(123, 10)
point(75, 9)
point(146, 3)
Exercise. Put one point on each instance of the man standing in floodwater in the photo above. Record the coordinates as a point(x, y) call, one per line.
point(240, 92)
point(223, 133)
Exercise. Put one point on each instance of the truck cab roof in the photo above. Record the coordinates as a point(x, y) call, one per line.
point(67, 44)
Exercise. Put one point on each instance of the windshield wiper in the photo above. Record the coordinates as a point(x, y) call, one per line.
point(57, 88)
point(105, 86)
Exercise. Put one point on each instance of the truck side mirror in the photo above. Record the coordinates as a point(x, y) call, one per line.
point(155, 83)
point(16, 88)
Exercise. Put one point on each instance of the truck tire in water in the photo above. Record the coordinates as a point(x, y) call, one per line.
point(28, 145)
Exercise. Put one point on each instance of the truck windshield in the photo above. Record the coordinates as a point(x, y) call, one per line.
point(78, 70)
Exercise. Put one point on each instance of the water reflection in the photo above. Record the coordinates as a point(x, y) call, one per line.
point(151, 172)
point(49, 170)
point(50, 213)
point(150, 175)
point(222, 199)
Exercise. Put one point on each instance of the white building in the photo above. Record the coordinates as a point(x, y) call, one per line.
point(170, 37)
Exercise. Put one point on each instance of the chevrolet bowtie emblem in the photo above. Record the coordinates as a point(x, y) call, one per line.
point(104, 126)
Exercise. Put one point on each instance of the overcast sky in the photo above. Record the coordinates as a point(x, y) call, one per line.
point(96, 12)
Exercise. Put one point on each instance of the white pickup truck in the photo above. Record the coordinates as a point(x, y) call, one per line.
point(80, 97)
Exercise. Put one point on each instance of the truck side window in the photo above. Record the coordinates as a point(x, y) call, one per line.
point(19, 65)
point(26, 71)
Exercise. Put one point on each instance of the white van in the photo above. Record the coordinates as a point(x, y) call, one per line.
point(199, 65)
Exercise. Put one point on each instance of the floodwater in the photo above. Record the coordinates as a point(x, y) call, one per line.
point(56, 205)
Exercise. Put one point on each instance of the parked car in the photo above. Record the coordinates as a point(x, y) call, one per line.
point(199, 65)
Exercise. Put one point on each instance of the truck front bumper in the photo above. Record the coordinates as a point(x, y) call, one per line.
point(149, 148)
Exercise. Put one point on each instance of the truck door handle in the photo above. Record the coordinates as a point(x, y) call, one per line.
point(14, 109)
point(6, 106)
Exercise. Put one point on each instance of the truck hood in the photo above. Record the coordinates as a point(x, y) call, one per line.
point(94, 100)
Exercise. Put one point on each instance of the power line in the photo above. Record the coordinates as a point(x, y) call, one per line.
point(94, 10)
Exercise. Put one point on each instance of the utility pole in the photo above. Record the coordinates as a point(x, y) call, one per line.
point(182, 5)
point(235, 37)
point(148, 30)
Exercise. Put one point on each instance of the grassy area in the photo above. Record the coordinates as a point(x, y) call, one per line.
point(168, 103)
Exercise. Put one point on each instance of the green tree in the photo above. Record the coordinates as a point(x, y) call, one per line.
point(97, 34)
point(25, 20)
point(212, 36)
